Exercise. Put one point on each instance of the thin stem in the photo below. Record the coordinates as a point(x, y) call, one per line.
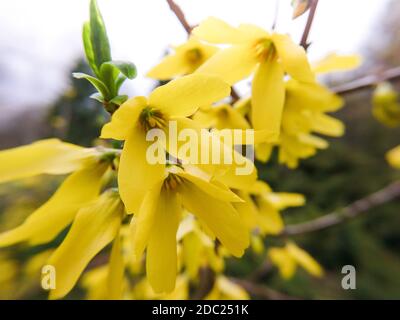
point(353, 210)
point(367, 81)
point(257, 290)
point(304, 39)
point(176, 9)
point(180, 15)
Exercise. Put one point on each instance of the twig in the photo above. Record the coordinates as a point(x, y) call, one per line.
point(257, 290)
point(261, 271)
point(367, 81)
point(176, 9)
point(180, 15)
point(355, 209)
point(276, 14)
point(304, 39)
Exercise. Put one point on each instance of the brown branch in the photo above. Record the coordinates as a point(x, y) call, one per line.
point(353, 210)
point(260, 291)
point(304, 39)
point(180, 15)
point(367, 81)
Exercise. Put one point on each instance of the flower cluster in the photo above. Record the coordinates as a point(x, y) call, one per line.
point(170, 220)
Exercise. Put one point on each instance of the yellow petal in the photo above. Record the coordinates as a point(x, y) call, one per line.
point(311, 96)
point(270, 219)
point(219, 216)
point(124, 120)
point(142, 224)
point(192, 254)
point(231, 290)
point(51, 218)
point(327, 125)
point(284, 261)
point(232, 64)
point(263, 151)
point(253, 32)
point(216, 31)
point(115, 278)
point(170, 67)
point(334, 62)
point(282, 200)
point(136, 175)
point(393, 157)
point(94, 227)
point(268, 94)
point(304, 260)
point(218, 192)
point(247, 210)
point(183, 96)
point(161, 259)
point(293, 58)
point(49, 156)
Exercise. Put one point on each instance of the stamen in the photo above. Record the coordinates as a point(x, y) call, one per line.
point(194, 55)
point(151, 118)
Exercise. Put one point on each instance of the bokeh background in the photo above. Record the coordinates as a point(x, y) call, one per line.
point(40, 46)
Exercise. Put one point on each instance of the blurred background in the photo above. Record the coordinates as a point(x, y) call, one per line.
point(40, 46)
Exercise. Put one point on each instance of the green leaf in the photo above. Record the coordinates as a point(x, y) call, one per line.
point(108, 73)
point(98, 84)
point(118, 100)
point(87, 44)
point(120, 80)
point(128, 69)
point(97, 96)
point(98, 36)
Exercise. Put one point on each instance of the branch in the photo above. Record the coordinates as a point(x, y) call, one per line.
point(353, 210)
point(367, 81)
point(304, 39)
point(257, 290)
point(180, 15)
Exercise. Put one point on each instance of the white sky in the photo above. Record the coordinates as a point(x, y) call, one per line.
point(39, 39)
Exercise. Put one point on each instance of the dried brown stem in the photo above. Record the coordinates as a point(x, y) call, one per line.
point(180, 15)
point(304, 39)
point(368, 81)
point(353, 210)
point(260, 291)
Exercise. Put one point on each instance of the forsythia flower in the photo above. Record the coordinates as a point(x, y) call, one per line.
point(159, 216)
point(393, 157)
point(269, 56)
point(94, 227)
point(185, 60)
point(386, 107)
point(53, 157)
point(261, 207)
point(176, 100)
point(289, 257)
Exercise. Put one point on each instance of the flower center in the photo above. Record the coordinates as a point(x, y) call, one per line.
point(172, 181)
point(193, 55)
point(264, 48)
point(151, 118)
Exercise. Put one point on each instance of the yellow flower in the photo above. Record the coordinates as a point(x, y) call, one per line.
point(157, 221)
point(221, 117)
point(185, 60)
point(393, 157)
point(268, 56)
point(261, 207)
point(80, 187)
point(94, 227)
point(386, 106)
point(289, 257)
point(176, 100)
point(198, 249)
